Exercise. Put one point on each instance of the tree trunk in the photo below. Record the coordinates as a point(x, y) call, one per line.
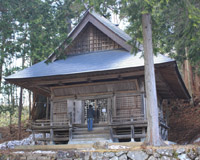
point(20, 113)
point(10, 123)
point(153, 137)
point(38, 110)
point(1, 70)
point(30, 104)
point(1, 61)
point(20, 106)
point(188, 77)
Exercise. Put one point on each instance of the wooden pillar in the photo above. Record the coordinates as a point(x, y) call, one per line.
point(132, 130)
point(33, 137)
point(47, 108)
point(108, 109)
point(111, 133)
point(70, 126)
point(44, 135)
point(143, 133)
point(143, 105)
point(114, 105)
point(51, 124)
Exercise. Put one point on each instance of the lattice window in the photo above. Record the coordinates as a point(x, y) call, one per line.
point(128, 106)
point(91, 39)
point(60, 112)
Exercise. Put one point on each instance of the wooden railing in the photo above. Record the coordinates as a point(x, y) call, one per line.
point(163, 128)
point(40, 124)
point(121, 127)
point(133, 127)
point(47, 124)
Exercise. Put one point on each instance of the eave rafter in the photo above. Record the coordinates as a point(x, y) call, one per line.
point(162, 86)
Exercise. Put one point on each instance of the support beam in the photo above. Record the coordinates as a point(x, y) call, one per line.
point(51, 123)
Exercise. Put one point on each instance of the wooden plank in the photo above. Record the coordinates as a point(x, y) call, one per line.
point(129, 136)
point(82, 78)
point(96, 95)
point(96, 83)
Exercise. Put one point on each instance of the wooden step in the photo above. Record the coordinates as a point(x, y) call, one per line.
point(94, 130)
point(129, 136)
point(91, 132)
point(88, 136)
point(94, 125)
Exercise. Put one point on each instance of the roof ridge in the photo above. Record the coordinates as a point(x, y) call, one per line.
point(96, 15)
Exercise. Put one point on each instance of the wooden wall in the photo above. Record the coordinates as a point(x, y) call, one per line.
point(91, 39)
point(129, 105)
point(95, 88)
point(125, 98)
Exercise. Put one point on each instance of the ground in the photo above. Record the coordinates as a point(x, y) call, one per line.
point(10, 133)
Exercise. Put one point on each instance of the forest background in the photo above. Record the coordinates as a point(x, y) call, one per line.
point(31, 30)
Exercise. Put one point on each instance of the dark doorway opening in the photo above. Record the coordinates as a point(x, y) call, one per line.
point(100, 107)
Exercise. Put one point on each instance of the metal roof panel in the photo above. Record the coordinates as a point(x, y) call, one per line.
point(84, 63)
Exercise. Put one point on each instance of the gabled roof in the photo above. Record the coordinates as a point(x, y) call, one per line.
point(90, 62)
point(104, 25)
point(99, 62)
point(111, 26)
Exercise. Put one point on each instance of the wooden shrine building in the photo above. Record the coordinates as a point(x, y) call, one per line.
point(100, 71)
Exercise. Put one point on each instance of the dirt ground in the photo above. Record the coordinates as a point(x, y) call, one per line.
point(11, 133)
point(184, 121)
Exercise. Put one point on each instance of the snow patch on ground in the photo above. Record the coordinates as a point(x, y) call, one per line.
point(23, 142)
point(44, 152)
point(197, 140)
point(36, 152)
point(118, 147)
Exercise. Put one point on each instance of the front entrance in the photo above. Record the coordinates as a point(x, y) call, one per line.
point(100, 107)
point(79, 109)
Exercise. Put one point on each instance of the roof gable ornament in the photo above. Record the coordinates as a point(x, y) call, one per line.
point(94, 33)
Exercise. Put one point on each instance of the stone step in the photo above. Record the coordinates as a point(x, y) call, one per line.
point(88, 141)
point(89, 136)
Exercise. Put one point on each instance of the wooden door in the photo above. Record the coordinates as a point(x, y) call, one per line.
point(75, 107)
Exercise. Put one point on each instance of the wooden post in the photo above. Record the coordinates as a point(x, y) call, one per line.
point(33, 137)
point(108, 110)
point(144, 106)
point(153, 136)
point(51, 124)
point(44, 134)
point(70, 126)
point(47, 108)
point(114, 105)
point(132, 130)
point(110, 122)
point(110, 116)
